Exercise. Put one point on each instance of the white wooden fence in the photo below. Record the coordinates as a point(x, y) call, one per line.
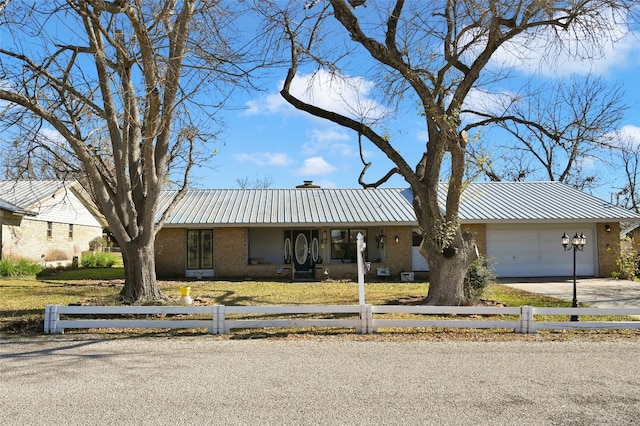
point(364, 319)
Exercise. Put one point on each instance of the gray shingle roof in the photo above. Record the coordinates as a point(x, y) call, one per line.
point(481, 202)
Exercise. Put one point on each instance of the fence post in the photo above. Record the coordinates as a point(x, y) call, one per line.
point(365, 320)
point(51, 318)
point(526, 320)
point(47, 310)
point(361, 245)
point(222, 326)
point(214, 320)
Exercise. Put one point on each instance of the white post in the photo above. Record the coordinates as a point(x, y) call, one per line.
point(360, 246)
point(527, 325)
point(47, 320)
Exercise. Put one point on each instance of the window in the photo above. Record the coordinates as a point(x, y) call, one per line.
point(343, 243)
point(200, 249)
point(71, 231)
point(49, 230)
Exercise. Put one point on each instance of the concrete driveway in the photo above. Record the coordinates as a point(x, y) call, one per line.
point(595, 292)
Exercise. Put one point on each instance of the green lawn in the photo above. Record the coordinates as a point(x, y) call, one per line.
point(22, 300)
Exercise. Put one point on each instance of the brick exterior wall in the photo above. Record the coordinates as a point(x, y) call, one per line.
point(399, 258)
point(230, 252)
point(608, 248)
point(479, 232)
point(170, 250)
point(29, 240)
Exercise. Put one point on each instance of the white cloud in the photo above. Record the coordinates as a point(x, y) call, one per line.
point(581, 53)
point(350, 96)
point(315, 166)
point(493, 103)
point(323, 183)
point(630, 131)
point(628, 134)
point(486, 102)
point(265, 159)
point(51, 136)
point(270, 104)
point(344, 150)
point(323, 140)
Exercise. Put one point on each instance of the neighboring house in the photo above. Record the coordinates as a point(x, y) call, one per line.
point(50, 221)
point(631, 234)
point(10, 215)
point(310, 232)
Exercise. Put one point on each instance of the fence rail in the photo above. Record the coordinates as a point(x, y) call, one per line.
point(363, 318)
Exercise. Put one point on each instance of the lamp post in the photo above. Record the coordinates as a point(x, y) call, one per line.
point(577, 243)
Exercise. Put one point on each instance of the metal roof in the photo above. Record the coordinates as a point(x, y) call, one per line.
point(271, 207)
point(29, 194)
point(481, 202)
point(12, 208)
point(535, 201)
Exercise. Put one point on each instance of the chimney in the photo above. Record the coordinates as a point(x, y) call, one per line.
point(308, 184)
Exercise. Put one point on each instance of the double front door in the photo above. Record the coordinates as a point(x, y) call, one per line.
point(302, 249)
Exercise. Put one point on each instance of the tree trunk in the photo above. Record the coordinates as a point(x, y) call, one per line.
point(140, 284)
point(446, 282)
point(447, 274)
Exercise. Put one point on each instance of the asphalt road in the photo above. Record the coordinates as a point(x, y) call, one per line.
point(210, 380)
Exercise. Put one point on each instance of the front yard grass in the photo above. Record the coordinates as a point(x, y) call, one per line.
point(22, 301)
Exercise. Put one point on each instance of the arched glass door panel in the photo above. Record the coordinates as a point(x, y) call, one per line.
point(302, 248)
point(287, 250)
point(315, 249)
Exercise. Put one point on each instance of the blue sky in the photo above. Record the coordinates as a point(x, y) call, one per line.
point(267, 138)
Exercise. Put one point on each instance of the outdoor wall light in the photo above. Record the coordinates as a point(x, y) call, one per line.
point(576, 243)
point(607, 228)
point(396, 239)
point(380, 238)
point(324, 237)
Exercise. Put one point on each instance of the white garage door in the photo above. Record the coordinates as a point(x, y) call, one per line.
point(536, 251)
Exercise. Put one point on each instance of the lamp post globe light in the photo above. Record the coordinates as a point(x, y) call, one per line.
point(576, 243)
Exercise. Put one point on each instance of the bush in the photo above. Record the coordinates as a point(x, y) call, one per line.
point(17, 267)
point(479, 276)
point(627, 262)
point(97, 244)
point(98, 260)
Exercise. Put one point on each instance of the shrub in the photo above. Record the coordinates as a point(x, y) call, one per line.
point(627, 262)
point(97, 244)
point(98, 260)
point(479, 276)
point(19, 266)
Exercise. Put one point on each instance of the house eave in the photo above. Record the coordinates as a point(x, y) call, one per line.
point(287, 225)
point(542, 221)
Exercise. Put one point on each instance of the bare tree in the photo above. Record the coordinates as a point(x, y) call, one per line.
point(130, 88)
point(629, 195)
point(551, 133)
point(433, 52)
point(255, 182)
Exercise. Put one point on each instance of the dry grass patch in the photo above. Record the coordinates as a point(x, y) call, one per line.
point(22, 303)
